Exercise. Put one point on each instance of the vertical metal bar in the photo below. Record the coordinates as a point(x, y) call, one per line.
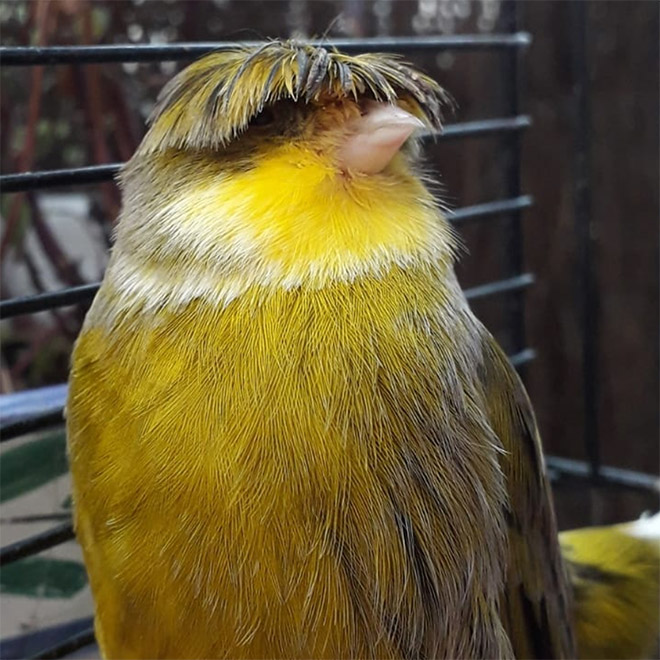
point(513, 238)
point(584, 227)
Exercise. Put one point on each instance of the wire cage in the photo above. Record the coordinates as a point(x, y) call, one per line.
point(35, 410)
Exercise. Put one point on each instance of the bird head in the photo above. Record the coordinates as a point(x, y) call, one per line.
point(356, 111)
point(281, 165)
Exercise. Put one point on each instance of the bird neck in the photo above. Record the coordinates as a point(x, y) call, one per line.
point(194, 228)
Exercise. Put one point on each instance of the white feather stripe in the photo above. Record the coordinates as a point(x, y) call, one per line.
point(135, 282)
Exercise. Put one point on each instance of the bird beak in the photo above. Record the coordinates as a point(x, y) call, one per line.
point(375, 137)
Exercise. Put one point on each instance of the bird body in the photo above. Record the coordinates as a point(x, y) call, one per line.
point(300, 517)
point(289, 435)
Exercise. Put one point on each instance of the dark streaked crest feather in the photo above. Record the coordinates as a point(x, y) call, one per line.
point(303, 67)
point(345, 78)
point(211, 102)
point(317, 72)
point(248, 61)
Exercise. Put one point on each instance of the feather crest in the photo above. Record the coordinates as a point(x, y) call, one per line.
point(212, 101)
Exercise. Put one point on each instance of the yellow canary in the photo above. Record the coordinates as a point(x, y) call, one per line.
point(615, 576)
point(289, 435)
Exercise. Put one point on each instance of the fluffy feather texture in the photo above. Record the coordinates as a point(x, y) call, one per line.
point(289, 435)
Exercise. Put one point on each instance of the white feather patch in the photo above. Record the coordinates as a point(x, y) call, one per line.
point(647, 527)
point(179, 254)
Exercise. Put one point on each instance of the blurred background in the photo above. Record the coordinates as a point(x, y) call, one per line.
point(589, 80)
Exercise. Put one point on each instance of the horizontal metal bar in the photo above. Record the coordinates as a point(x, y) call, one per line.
point(10, 183)
point(27, 55)
point(37, 543)
point(47, 419)
point(35, 517)
point(478, 211)
point(500, 286)
point(482, 127)
point(65, 177)
point(15, 406)
point(567, 467)
point(27, 644)
point(68, 646)
point(525, 356)
point(31, 410)
point(44, 301)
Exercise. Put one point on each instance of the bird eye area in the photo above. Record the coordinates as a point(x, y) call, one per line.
point(265, 118)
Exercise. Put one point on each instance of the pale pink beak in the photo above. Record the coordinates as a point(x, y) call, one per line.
point(376, 137)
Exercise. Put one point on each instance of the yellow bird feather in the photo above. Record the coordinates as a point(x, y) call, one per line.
point(615, 577)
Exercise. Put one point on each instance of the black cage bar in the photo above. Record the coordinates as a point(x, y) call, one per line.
point(27, 412)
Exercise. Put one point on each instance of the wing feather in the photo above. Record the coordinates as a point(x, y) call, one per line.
point(535, 606)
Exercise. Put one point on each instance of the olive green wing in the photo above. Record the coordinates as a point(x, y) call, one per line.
point(535, 606)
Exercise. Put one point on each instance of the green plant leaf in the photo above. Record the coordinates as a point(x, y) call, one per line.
point(43, 578)
point(31, 465)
